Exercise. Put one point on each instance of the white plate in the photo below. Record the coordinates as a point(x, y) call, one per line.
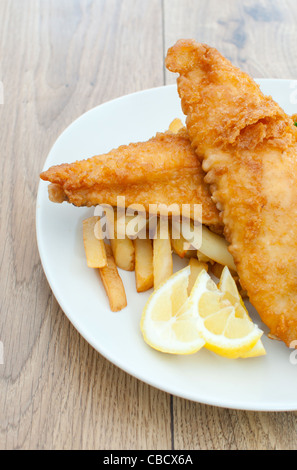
point(268, 383)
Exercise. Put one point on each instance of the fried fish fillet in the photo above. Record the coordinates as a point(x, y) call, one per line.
point(163, 170)
point(248, 148)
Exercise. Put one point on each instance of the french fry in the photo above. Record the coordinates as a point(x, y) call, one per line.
point(93, 243)
point(162, 255)
point(137, 227)
point(204, 259)
point(179, 244)
point(124, 223)
point(144, 272)
point(123, 252)
point(175, 125)
point(196, 268)
point(217, 269)
point(110, 219)
point(122, 247)
point(131, 225)
point(216, 248)
point(116, 222)
point(120, 225)
point(183, 248)
point(112, 282)
point(242, 292)
point(191, 253)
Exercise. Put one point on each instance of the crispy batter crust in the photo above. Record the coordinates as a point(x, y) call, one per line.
point(248, 147)
point(163, 170)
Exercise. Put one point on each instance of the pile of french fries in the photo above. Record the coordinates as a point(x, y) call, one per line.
point(151, 257)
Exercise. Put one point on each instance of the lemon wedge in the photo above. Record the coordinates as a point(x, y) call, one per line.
point(228, 286)
point(167, 324)
point(212, 316)
point(222, 319)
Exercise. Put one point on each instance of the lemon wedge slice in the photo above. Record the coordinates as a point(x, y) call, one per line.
point(212, 316)
point(167, 324)
point(228, 286)
point(222, 321)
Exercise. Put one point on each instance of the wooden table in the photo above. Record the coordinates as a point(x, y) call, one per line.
point(58, 59)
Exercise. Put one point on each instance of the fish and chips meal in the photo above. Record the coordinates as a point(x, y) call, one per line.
point(219, 192)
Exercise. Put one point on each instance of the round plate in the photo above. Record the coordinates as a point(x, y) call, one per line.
point(266, 383)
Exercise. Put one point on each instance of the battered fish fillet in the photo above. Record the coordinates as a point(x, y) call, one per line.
point(163, 170)
point(248, 147)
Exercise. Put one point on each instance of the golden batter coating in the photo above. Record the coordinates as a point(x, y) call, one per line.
point(163, 170)
point(248, 148)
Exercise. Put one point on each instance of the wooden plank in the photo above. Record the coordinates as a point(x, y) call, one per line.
point(259, 37)
point(206, 427)
point(56, 392)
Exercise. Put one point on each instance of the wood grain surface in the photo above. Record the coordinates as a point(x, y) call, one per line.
point(59, 58)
